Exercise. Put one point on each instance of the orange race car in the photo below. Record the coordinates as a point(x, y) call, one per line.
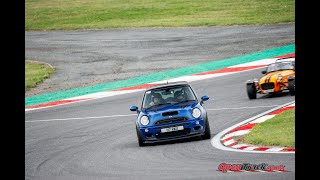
point(278, 76)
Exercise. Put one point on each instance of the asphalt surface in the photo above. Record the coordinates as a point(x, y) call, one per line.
point(90, 57)
point(107, 148)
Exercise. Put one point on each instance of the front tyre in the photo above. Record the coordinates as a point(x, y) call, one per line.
point(207, 133)
point(251, 91)
point(291, 87)
point(140, 140)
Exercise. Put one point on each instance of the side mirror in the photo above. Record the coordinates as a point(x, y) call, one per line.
point(263, 72)
point(133, 108)
point(204, 98)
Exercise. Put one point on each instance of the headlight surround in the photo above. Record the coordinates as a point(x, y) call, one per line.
point(196, 113)
point(144, 120)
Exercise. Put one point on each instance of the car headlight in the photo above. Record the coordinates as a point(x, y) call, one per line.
point(279, 78)
point(144, 120)
point(196, 113)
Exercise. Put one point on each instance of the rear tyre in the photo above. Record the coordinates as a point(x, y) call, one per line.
point(291, 87)
point(140, 140)
point(251, 91)
point(207, 133)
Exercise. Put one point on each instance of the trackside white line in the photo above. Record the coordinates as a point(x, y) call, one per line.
point(123, 115)
point(201, 77)
point(195, 77)
point(105, 94)
point(206, 76)
point(257, 63)
point(250, 148)
point(236, 133)
point(294, 104)
point(262, 119)
point(218, 109)
point(69, 119)
point(275, 149)
point(91, 96)
point(30, 109)
point(227, 143)
point(215, 141)
point(239, 145)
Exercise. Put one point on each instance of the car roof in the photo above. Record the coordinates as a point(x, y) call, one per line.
point(168, 84)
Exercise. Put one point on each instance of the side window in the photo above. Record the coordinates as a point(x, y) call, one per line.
point(147, 99)
point(186, 93)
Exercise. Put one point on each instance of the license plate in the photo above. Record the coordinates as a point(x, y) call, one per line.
point(268, 91)
point(170, 129)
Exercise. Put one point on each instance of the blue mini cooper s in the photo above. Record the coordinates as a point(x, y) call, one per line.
point(169, 112)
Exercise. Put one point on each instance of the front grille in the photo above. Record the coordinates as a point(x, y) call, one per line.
point(170, 120)
point(267, 86)
point(173, 134)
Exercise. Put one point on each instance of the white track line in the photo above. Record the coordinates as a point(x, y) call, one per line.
point(262, 119)
point(239, 145)
point(218, 109)
point(90, 96)
point(250, 148)
point(236, 133)
point(275, 149)
point(69, 119)
point(227, 143)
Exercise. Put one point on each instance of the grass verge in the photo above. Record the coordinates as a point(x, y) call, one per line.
point(277, 131)
point(35, 73)
point(88, 14)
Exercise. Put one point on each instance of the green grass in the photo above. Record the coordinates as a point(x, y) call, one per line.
point(95, 14)
point(277, 131)
point(35, 73)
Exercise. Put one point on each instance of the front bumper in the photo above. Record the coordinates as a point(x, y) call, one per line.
point(190, 129)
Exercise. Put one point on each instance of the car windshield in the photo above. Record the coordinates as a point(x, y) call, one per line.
point(280, 66)
point(167, 95)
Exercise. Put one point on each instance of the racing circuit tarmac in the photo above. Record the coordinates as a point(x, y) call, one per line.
point(84, 58)
point(76, 144)
point(106, 148)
